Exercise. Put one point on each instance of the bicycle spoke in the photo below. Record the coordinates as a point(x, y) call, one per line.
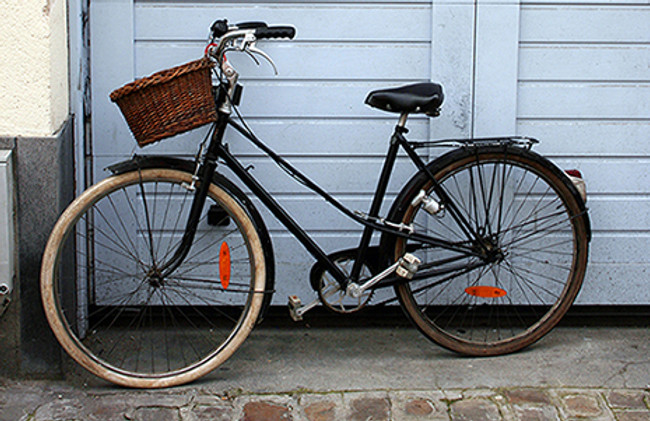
point(124, 229)
point(115, 305)
point(526, 238)
point(123, 250)
point(205, 335)
point(206, 302)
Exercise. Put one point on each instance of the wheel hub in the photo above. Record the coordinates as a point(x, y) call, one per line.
point(155, 279)
point(489, 249)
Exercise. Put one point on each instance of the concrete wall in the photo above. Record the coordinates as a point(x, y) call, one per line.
point(35, 124)
point(34, 67)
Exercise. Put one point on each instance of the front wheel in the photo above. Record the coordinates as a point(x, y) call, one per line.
point(117, 314)
point(531, 245)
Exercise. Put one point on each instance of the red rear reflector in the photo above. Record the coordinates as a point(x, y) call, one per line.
point(224, 265)
point(486, 292)
point(574, 173)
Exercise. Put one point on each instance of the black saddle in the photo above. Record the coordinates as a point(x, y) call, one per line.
point(417, 98)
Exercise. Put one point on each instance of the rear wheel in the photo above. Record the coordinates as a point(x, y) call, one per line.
point(111, 307)
point(533, 250)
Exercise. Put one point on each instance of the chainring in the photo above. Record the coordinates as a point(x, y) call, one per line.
point(329, 291)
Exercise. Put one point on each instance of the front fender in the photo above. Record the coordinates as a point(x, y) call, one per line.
point(151, 161)
point(160, 161)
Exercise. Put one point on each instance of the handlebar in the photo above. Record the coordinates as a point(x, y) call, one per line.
point(241, 37)
point(248, 31)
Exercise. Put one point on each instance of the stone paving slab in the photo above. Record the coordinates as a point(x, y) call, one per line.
point(48, 401)
point(371, 374)
point(400, 358)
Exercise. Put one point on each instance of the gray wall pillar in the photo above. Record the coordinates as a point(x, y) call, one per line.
point(44, 177)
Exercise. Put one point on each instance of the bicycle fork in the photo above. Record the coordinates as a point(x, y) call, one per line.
point(200, 194)
point(203, 175)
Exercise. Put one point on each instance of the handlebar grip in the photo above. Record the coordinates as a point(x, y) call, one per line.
point(276, 32)
point(251, 25)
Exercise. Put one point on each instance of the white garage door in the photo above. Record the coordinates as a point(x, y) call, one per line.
point(574, 75)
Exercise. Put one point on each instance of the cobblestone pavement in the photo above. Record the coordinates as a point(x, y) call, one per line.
point(45, 401)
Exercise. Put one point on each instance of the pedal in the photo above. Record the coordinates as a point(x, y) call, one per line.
point(408, 265)
point(294, 305)
point(297, 310)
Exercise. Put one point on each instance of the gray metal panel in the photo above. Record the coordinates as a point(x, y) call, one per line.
point(313, 112)
point(586, 23)
point(495, 72)
point(580, 74)
point(320, 22)
point(584, 89)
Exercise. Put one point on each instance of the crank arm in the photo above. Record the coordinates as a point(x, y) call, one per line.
point(405, 267)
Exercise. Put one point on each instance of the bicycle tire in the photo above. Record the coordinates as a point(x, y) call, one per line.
point(114, 314)
point(530, 215)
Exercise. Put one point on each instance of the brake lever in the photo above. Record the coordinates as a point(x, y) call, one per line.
point(253, 49)
point(248, 44)
point(252, 57)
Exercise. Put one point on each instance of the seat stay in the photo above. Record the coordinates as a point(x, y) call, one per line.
point(462, 222)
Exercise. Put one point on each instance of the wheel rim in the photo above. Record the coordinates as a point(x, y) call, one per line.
point(121, 318)
point(529, 242)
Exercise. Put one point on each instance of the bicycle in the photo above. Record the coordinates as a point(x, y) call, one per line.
point(485, 246)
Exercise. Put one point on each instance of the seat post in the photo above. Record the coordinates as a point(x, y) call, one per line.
point(402, 120)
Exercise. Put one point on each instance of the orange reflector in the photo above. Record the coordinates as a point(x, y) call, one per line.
point(224, 265)
point(486, 292)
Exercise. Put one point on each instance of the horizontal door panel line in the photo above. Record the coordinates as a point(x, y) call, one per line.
point(642, 236)
point(584, 119)
point(584, 83)
point(332, 43)
point(317, 235)
point(309, 196)
point(596, 43)
point(279, 80)
point(619, 233)
point(318, 157)
point(321, 83)
point(356, 117)
point(384, 116)
point(153, 4)
point(617, 196)
point(611, 82)
point(586, 156)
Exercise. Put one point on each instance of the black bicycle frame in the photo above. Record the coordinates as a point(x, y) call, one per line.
point(217, 150)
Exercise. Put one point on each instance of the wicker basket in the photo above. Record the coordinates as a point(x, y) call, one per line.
point(168, 102)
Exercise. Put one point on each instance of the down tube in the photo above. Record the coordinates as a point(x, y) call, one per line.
point(286, 220)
